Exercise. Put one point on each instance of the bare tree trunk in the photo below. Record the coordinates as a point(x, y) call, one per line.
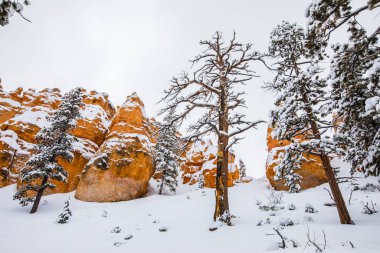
point(222, 210)
point(338, 198)
point(39, 195)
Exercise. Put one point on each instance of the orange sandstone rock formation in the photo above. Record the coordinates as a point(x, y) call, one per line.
point(312, 171)
point(122, 167)
point(200, 157)
point(23, 113)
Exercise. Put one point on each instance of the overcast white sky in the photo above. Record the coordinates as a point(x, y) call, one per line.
point(119, 47)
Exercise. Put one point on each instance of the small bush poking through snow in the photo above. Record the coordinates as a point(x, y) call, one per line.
point(66, 214)
point(163, 229)
point(369, 187)
point(309, 219)
point(104, 214)
point(261, 222)
point(369, 209)
point(117, 244)
point(116, 230)
point(286, 223)
point(273, 208)
point(128, 237)
point(330, 204)
point(275, 197)
point(291, 207)
point(310, 209)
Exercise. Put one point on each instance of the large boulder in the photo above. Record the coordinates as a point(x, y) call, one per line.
point(121, 168)
point(312, 171)
point(200, 158)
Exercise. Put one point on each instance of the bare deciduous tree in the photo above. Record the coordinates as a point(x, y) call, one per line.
point(215, 87)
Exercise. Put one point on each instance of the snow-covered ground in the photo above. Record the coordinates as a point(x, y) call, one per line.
point(187, 217)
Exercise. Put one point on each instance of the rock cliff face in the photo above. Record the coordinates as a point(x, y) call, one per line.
point(200, 157)
point(312, 171)
point(23, 113)
point(112, 158)
point(122, 167)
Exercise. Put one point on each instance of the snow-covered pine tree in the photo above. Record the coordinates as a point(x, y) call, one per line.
point(9, 7)
point(53, 141)
point(287, 169)
point(167, 157)
point(301, 106)
point(242, 169)
point(354, 77)
point(201, 180)
point(66, 214)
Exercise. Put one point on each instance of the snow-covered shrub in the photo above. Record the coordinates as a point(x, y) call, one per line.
point(310, 209)
point(163, 229)
point(201, 181)
point(369, 187)
point(65, 215)
point(308, 218)
point(101, 162)
point(329, 204)
point(270, 207)
point(286, 223)
point(261, 222)
point(275, 197)
point(116, 230)
point(369, 209)
point(128, 237)
point(291, 207)
point(104, 214)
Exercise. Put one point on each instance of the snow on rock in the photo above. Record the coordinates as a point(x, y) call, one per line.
point(200, 157)
point(312, 171)
point(22, 115)
point(121, 168)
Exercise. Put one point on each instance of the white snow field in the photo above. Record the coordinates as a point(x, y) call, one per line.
point(187, 217)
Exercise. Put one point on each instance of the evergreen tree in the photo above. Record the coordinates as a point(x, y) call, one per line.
point(354, 77)
point(53, 141)
point(8, 8)
point(302, 103)
point(66, 214)
point(201, 181)
point(287, 169)
point(242, 169)
point(167, 157)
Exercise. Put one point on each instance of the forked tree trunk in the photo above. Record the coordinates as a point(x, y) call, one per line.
point(222, 210)
point(39, 195)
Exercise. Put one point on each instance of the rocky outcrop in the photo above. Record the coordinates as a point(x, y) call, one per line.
point(23, 113)
point(200, 158)
point(122, 167)
point(112, 154)
point(312, 171)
